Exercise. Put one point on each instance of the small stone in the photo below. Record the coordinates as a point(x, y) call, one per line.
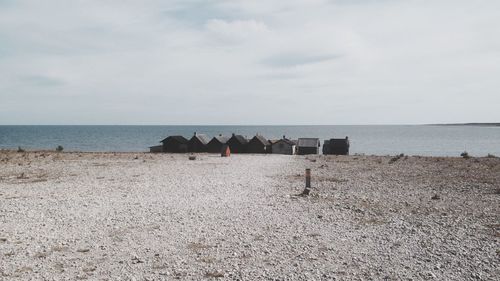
point(215, 274)
point(435, 197)
point(306, 192)
point(357, 210)
point(136, 260)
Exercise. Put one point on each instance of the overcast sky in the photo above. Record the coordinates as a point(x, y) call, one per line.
point(249, 62)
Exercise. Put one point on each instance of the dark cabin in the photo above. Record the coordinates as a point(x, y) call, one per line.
point(308, 146)
point(258, 144)
point(339, 146)
point(216, 144)
point(284, 146)
point(175, 144)
point(326, 147)
point(198, 143)
point(237, 144)
point(156, 149)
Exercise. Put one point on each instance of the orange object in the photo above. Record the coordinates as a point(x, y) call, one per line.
point(226, 151)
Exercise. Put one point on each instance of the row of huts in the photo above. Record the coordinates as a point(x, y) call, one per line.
point(257, 144)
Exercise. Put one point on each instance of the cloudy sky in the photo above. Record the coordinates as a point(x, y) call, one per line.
point(249, 62)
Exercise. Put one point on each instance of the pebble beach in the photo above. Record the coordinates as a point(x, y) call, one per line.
point(141, 216)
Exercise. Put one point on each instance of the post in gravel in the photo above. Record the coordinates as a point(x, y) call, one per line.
point(307, 190)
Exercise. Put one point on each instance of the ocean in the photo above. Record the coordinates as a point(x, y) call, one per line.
point(425, 140)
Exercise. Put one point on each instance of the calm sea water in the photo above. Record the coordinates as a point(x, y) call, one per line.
point(377, 140)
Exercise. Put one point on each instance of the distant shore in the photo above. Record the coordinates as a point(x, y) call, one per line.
point(468, 124)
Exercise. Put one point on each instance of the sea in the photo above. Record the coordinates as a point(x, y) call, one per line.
point(424, 140)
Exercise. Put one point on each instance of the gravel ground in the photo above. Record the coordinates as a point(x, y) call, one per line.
point(126, 216)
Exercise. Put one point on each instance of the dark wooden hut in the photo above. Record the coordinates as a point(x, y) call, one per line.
point(326, 147)
point(258, 144)
point(216, 144)
point(308, 146)
point(237, 144)
point(156, 149)
point(175, 144)
point(198, 143)
point(284, 146)
point(339, 146)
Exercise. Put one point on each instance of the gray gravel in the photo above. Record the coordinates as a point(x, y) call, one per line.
point(106, 216)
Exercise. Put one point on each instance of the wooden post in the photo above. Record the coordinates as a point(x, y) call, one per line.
point(308, 178)
point(307, 190)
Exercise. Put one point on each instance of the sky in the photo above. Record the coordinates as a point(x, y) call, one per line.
point(212, 62)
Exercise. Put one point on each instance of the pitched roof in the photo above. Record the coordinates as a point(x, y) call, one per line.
point(204, 139)
point(241, 139)
point(308, 142)
point(261, 139)
point(180, 139)
point(221, 138)
point(287, 141)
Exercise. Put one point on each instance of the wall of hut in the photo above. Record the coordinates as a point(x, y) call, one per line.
point(339, 146)
point(283, 147)
point(198, 143)
point(237, 144)
point(175, 145)
point(307, 150)
point(257, 144)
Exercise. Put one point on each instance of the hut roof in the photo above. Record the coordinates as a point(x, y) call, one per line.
point(308, 142)
point(241, 139)
point(221, 138)
point(287, 141)
point(202, 138)
point(261, 139)
point(341, 142)
point(179, 139)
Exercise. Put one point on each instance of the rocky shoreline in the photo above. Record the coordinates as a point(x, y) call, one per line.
point(126, 216)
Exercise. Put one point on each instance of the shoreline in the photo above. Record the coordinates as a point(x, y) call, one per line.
point(233, 154)
point(468, 124)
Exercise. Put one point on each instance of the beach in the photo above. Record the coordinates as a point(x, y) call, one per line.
point(141, 216)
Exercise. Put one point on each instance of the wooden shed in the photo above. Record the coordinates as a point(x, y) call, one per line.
point(237, 144)
point(258, 144)
point(339, 146)
point(283, 146)
point(326, 147)
point(215, 145)
point(308, 146)
point(156, 149)
point(175, 144)
point(198, 143)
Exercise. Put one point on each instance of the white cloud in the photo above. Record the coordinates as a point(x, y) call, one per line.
point(238, 28)
point(296, 61)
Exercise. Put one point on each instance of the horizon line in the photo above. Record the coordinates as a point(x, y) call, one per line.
point(269, 125)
